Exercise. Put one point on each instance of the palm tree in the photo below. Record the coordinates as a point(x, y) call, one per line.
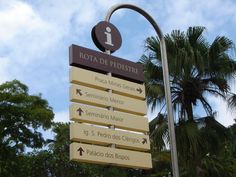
point(196, 68)
point(197, 71)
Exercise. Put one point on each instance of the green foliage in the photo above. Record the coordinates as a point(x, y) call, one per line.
point(197, 70)
point(21, 116)
point(205, 148)
point(63, 167)
point(161, 163)
point(232, 101)
point(189, 143)
point(159, 133)
point(55, 162)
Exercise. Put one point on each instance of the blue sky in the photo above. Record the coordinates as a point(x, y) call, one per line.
point(35, 36)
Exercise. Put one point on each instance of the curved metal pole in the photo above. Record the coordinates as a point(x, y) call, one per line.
point(174, 158)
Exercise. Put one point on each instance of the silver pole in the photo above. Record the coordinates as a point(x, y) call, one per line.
point(171, 127)
point(174, 158)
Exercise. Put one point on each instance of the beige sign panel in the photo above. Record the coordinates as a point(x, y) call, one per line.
point(105, 155)
point(95, 115)
point(96, 97)
point(102, 81)
point(105, 136)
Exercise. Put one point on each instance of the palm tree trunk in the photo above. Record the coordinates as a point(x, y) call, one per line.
point(189, 110)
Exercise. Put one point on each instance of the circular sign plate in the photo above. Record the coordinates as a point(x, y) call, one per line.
point(106, 36)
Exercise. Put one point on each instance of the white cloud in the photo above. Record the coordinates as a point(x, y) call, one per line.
point(224, 114)
point(213, 14)
point(24, 34)
point(36, 37)
point(27, 45)
point(17, 17)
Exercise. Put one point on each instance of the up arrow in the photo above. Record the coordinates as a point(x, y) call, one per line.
point(80, 151)
point(144, 140)
point(78, 91)
point(80, 111)
point(139, 90)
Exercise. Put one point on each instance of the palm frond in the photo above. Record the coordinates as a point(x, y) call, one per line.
point(159, 132)
point(232, 101)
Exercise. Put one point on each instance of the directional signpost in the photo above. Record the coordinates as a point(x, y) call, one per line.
point(86, 95)
point(104, 155)
point(104, 82)
point(108, 105)
point(94, 115)
point(105, 136)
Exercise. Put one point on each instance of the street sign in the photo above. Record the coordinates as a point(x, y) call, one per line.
point(108, 104)
point(94, 115)
point(104, 136)
point(105, 155)
point(96, 97)
point(97, 61)
point(102, 81)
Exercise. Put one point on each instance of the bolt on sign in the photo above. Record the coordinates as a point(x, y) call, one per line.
point(108, 105)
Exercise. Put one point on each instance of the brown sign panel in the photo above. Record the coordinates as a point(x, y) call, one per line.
point(105, 155)
point(97, 61)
